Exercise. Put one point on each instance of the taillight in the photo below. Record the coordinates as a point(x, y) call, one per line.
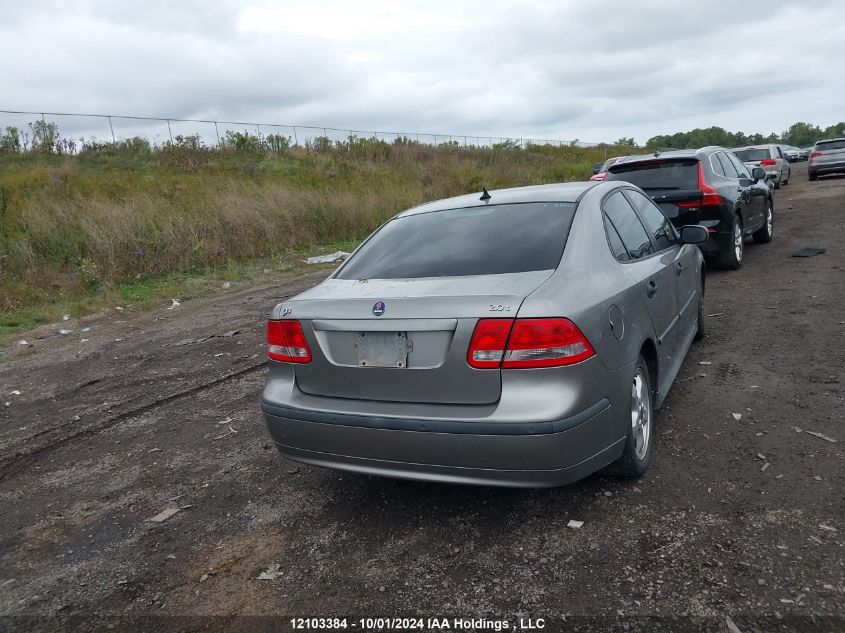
point(488, 343)
point(286, 342)
point(532, 343)
point(814, 154)
point(709, 196)
point(768, 162)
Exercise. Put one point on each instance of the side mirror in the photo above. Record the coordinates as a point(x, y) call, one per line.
point(597, 168)
point(758, 173)
point(694, 234)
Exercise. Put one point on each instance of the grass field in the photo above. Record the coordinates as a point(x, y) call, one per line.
point(124, 222)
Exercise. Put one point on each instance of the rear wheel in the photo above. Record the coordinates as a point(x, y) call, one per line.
point(811, 175)
point(732, 258)
point(764, 233)
point(637, 455)
point(777, 182)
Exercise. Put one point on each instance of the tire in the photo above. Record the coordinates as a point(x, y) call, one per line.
point(732, 258)
point(701, 328)
point(637, 454)
point(777, 183)
point(811, 176)
point(764, 234)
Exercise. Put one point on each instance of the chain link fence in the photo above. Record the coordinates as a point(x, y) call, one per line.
point(160, 130)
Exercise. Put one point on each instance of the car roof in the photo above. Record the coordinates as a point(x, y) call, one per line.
point(760, 146)
point(830, 140)
point(558, 192)
point(669, 154)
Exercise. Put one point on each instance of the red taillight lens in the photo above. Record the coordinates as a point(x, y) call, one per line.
point(530, 343)
point(488, 343)
point(814, 154)
point(768, 162)
point(545, 343)
point(709, 196)
point(286, 342)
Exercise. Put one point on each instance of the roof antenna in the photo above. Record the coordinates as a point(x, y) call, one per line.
point(486, 195)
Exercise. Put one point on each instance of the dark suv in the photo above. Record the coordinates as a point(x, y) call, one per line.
point(708, 186)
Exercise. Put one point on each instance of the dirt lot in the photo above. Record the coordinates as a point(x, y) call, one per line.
point(742, 518)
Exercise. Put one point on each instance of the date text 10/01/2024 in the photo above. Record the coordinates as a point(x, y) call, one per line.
point(417, 624)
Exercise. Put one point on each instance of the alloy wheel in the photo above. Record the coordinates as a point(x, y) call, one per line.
point(738, 240)
point(640, 414)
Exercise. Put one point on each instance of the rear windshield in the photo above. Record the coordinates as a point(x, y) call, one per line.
point(749, 155)
point(829, 145)
point(660, 174)
point(489, 240)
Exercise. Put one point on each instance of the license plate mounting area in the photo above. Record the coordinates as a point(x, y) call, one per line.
point(383, 349)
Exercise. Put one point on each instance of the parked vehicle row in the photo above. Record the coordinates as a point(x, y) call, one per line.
point(521, 338)
point(795, 154)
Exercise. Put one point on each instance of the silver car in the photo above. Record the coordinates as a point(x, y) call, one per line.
point(523, 338)
point(770, 158)
point(827, 157)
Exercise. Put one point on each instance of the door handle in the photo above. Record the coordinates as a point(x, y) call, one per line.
point(651, 290)
point(679, 268)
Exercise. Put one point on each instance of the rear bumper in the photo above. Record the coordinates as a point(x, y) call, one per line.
point(519, 454)
point(828, 168)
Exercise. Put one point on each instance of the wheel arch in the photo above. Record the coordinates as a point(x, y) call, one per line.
point(648, 350)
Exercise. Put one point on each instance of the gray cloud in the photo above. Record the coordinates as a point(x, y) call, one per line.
point(594, 71)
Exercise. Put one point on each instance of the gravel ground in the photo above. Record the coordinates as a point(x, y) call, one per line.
point(741, 518)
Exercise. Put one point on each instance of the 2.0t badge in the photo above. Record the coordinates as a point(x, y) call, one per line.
point(379, 307)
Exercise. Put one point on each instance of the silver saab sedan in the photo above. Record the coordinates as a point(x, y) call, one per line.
point(523, 338)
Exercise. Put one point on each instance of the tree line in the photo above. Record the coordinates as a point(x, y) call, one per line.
point(799, 135)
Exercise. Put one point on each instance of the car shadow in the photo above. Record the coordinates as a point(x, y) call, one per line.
point(405, 504)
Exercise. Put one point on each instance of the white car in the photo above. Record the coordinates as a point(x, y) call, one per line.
point(770, 158)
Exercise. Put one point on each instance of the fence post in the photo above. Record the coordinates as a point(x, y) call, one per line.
point(217, 132)
point(169, 131)
point(111, 127)
point(295, 140)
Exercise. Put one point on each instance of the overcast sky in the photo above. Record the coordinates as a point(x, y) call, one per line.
point(594, 71)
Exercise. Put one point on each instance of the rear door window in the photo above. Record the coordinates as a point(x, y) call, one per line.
point(741, 169)
point(488, 240)
point(657, 224)
point(623, 218)
point(658, 174)
point(730, 170)
point(618, 249)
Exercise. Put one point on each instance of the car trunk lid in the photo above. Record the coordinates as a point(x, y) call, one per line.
point(404, 340)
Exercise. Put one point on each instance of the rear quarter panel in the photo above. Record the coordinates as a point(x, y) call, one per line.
point(588, 282)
